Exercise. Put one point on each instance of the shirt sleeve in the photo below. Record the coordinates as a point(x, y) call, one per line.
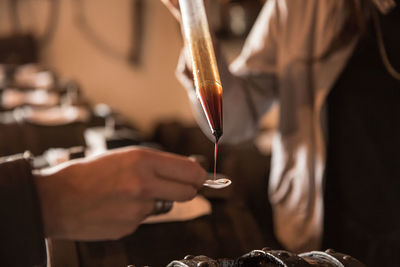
point(21, 230)
point(249, 84)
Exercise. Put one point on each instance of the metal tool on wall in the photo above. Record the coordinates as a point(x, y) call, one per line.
point(134, 56)
point(138, 26)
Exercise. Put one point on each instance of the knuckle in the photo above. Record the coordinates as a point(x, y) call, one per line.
point(145, 190)
point(139, 190)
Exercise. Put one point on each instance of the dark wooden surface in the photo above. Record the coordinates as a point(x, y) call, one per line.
point(241, 216)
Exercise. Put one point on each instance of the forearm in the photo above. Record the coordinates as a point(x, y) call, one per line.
point(22, 238)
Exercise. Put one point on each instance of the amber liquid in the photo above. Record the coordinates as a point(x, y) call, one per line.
point(211, 100)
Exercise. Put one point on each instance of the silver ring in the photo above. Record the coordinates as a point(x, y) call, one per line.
point(162, 206)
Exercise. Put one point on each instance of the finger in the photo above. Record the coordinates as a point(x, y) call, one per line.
point(179, 169)
point(147, 208)
point(156, 188)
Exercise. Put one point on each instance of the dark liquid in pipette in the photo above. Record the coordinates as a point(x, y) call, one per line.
point(211, 100)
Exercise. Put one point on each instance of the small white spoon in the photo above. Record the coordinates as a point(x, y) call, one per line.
point(218, 183)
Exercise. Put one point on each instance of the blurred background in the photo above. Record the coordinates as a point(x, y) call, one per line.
point(122, 53)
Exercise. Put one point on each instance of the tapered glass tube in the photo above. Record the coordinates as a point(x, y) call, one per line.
point(205, 71)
